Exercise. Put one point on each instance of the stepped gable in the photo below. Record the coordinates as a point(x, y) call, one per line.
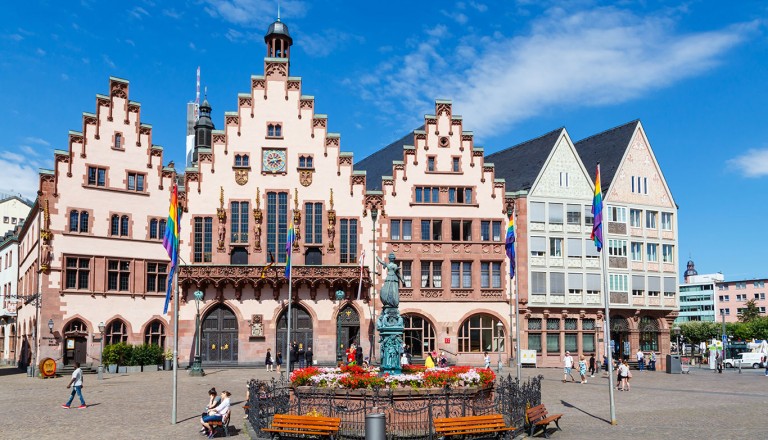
point(521, 164)
point(379, 164)
point(607, 148)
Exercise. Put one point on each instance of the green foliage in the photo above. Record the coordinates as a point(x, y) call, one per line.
point(109, 355)
point(119, 354)
point(755, 328)
point(698, 331)
point(146, 354)
point(751, 312)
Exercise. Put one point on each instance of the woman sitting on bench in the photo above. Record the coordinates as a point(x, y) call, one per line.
point(216, 414)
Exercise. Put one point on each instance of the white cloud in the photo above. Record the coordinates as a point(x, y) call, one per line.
point(37, 141)
point(753, 163)
point(172, 13)
point(29, 150)
point(130, 42)
point(138, 12)
point(594, 57)
point(108, 61)
point(326, 42)
point(254, 13)
point(40, 52)
point(20, 173)
point(14, 37)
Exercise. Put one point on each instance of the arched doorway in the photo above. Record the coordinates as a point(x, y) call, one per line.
point(301, 329)
point(620, 338)
point(348, 321)
point(419, 334)
point(219, 338)
point(75, 342)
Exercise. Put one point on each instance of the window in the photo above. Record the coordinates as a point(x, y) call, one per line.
point(490, 274)
point(114, 225)
point(277, 224)
point(461, 230)
point(759, 283)
point(722, 287)
point(650, 219)
point(670, 287)
point(555, 247)
point(156, 228)
point(6, 219)
point(654, 286)
point(725, 298)
point(118, 141)
point(553, 338)
point(725, 312)
point(400, 229)
point(637, 251)
point(406, 270)
point(741, 285)
point(427, 194)
point(118, 275)
point(242, 160)
point(461, 274)
point(617, 248)
point(557, 283)
point(202, 239)
point(431, 163)
point(348, 240)
point(617, 214)
point(556, 213)
point(575, 283)
point(157, 277)
point(593, 284)
point(432, 274)
point(490, 230)
point(239, 222)
point(667, 253)
point(617, 282)
point(97, 176)
point(274, 130)
point(478, 334)
point(573, 215)
point(313, 223)
point(538, 246)
point(116, 332)
point(124, 226)
point(460, 195)
point(431, 230)
point(575, 247)
point(639, 185)
point(649, 334)
point(536, 214)
point(589, 218)
point(155, 333)
point(306, 161)
point(563, 179)
point(455, 165)
point(651, 252)
point(740, 297)
point(666, 221)
point(135, 182)
point(78, 273)
point(635, 218)
point(539, 283)
point(571, 341)
point(78, 221)
point(760, 296)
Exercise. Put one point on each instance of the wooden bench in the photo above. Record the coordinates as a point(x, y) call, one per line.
point(223, 424)
point(471, 425)
point(537, 416)
point(293, 425)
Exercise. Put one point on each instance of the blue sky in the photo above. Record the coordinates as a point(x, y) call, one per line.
point(694, 73)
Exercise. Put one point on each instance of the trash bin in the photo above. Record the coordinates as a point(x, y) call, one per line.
point(375, 426)
point(673, 364)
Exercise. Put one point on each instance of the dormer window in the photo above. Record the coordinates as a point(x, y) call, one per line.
point(306, 161)
point(274, 130)
point(242, 160)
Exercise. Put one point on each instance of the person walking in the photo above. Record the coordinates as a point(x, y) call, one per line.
point(294, 355)
point(652, 362)
point(640, 360)
point(359, 355)
point(487, 360)
point(583, 369)
point(302, 358)
point(268, 360)
point(592, 365)
point(279, 360)
point(77, 386)
point(567, 367)
point(629, 375)
point(623, 373)
point(309, 356)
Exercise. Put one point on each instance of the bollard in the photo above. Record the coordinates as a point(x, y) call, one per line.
point(101, 373)
point(30, 371)
point(375, 426)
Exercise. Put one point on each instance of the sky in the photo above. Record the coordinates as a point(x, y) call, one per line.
point(693, 72)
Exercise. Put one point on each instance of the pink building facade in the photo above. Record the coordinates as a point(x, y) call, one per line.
point(731, 298)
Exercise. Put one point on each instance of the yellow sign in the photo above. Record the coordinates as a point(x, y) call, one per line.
point(48, 367)
point(528, 357)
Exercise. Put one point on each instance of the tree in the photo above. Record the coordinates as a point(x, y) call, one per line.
point(698, 331)
point(749, 313)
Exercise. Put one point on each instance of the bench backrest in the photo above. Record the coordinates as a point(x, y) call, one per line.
point(536, 413)
point(290, 420)
point(442, 424)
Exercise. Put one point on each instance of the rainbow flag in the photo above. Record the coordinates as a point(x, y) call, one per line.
point(171, 241)
point(510, 245)
point(289, 249)
point(597, 213)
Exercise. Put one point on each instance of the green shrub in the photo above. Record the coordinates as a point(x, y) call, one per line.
point(146, 354)
point(109, 355)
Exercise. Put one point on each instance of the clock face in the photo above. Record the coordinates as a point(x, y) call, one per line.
point(273, 161)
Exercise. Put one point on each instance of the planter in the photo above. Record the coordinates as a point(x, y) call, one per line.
point(112, 368)
point(133, 369)
point(167, 365)
point(122, 369)
point(149, 368)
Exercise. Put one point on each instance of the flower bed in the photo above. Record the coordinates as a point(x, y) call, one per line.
point(413, 376)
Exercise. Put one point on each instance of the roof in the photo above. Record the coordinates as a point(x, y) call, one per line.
point(6, 197)
point(379, 163)
point(608, 149)
point(521, 164)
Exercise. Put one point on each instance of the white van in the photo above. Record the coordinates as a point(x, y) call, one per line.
point(747, 360)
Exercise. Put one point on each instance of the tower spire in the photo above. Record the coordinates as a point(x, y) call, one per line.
point(278, 10)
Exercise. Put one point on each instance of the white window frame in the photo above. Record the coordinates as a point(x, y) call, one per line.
point(636, 250)
point(617, 214)
point(667, 253)
point(617, 248)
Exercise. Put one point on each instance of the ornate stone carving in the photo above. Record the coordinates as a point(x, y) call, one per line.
point(219, 138)
point(241, 176)
point(305, 177)
point(276, 69)
point(296, 219)
point(331, 225)
point(257, 218)
point(118, 89)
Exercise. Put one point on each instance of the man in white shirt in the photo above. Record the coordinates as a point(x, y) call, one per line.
point(568, 366)
point(640, 360)
point(77, 385)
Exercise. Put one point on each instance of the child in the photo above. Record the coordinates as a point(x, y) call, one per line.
point(583, 369)
point(487, 360)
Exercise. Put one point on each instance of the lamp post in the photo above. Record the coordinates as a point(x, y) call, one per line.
point(339, 353)
point(499, 333)
point(197, 366)
point(676, 329)
point(371, 350)
point(102, 327)
point(50, 325)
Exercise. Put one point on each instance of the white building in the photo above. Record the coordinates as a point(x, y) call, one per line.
point(9, 271)
point(13, 211)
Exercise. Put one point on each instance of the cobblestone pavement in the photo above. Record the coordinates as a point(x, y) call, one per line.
point(701, 405)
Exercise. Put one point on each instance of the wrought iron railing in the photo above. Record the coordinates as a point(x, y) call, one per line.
point(409, 414)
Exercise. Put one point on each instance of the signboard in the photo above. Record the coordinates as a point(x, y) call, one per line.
point(528, 357)
point(48, 367)
point(447, 340)
point(70, 344)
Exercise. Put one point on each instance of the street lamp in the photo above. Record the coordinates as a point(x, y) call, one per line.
point(50, 325)
point(102, 327)
point(371, 350)
point(197, 366)
point(677, 336)
point(499, 332)
point(339, 353)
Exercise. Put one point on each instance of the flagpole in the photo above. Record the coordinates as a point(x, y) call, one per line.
point(290, 299)
point(519, 365)
point(607, 335)
point(175, 344)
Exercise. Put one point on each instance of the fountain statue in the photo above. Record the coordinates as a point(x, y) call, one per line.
point(390, 323)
